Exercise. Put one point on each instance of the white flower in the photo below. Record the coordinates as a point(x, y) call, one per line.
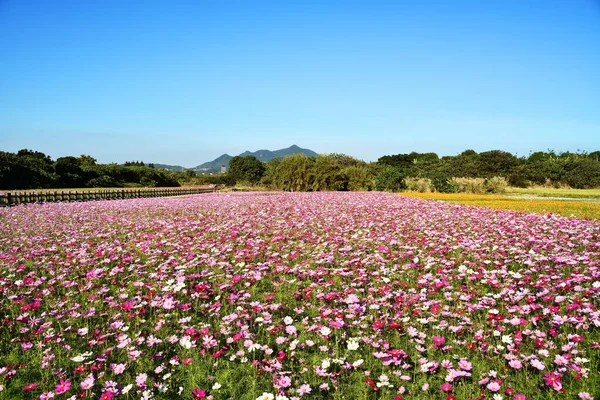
point(185, 342)
point(506, 339)
point(288, 320)
point(358, 363)
point(352, 345)
point(325, 331)
point(265, 396)
point(254, 346)
point(216, 386)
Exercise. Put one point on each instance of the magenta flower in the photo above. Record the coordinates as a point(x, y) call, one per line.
point(62, 387)
point(198, 394)
point(30, 387)
point(446, 387)
point(552, 379)
point(438, 341)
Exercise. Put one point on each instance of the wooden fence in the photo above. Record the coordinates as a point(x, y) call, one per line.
point(14, 198)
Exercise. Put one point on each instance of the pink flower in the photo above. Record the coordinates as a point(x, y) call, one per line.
point(493, 386)
point(537, 364)
point(520, 397)
point(62, 387)
point(553, 379)
point(465, 365)
point(198, 394)
point(438, 341)
point(516, 364)
point(168, 304)
point(88, 382)
point(118, 368)
point(284, 381)
point(140, 380)
point(106, 396)
point(30, 387)
point(446, 387)
point(304, 389)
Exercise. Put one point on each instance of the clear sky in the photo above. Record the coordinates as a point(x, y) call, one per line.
point(183, 82)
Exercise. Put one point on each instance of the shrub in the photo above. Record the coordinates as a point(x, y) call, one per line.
point(469, 185)
point(359, 178)
point(103, 181)
point(390, 179)
point(442, 183)
point(421, 185)
point(497, 184)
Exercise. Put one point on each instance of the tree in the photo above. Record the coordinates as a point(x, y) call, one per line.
point(70, 174)
point(35, 170)
point(359, 178)
point(270, 176)
point(326, 173)
point(294, 173)
point(390, 179)
point(87, 160)
point(246, 168)
point(496, 163)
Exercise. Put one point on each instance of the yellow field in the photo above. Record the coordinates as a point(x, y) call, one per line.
point(579, 209)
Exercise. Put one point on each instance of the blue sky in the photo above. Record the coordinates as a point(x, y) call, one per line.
point(183, 82)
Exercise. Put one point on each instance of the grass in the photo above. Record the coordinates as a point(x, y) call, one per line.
point(97, 189)
point(579, 209)
point(551, 192)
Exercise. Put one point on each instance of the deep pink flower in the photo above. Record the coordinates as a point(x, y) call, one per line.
point(30, 387)
point(198, 394)
point(62, 387)
point(438, 341)
point(106, 396)
point(552, 379)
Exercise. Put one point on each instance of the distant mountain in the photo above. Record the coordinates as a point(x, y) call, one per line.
point(175, 168)
point(214, 165)
point(262, 155)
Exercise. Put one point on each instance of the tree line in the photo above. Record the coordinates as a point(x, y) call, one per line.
point(397, 172)
point(27, 169)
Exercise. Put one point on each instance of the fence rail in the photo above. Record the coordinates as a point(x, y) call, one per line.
point(14, 198)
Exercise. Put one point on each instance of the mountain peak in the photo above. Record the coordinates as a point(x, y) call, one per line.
point(262, 155)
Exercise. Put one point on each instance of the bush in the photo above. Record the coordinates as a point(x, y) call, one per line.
point(421, 185)
point(246, 169)
point(469, 185)
point(359, 178)
point(103, 181)
point(390, 179)
point(441, 182)
point(497, 184)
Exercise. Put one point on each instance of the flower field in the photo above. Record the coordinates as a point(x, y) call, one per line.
point(577, 209)
point(297, 296)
